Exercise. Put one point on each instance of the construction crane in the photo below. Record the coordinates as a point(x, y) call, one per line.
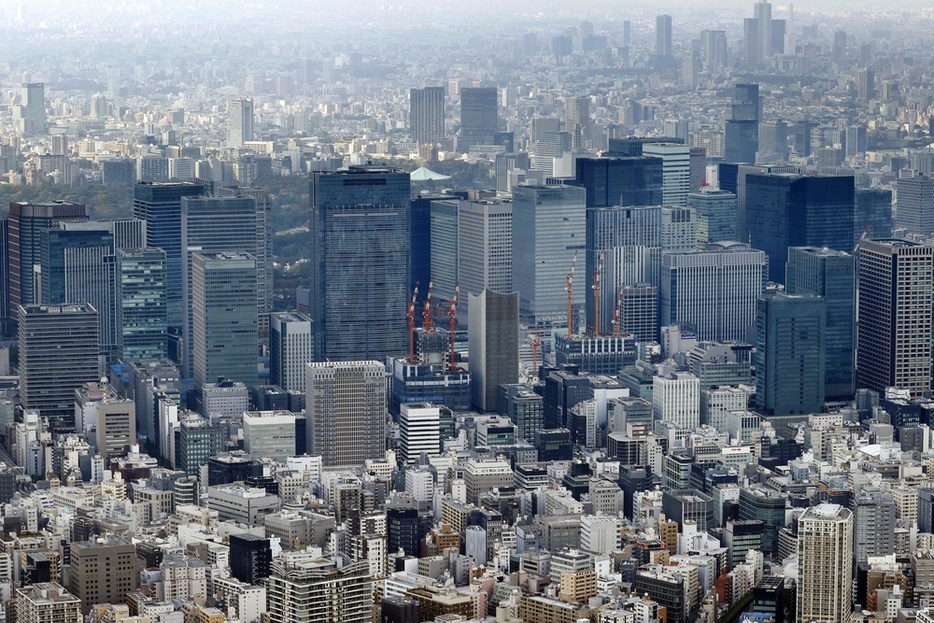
point(619, 307)
point(569, 288)
point(411, 317)
point(596, 295)
point(862, 236)
point(536, 340)
point(426, 312)
point(452, 315)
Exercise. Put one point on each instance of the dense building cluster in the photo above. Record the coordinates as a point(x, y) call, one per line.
point(655, 347)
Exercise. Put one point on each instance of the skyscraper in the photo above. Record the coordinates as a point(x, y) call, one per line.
point(29, 114)
point(577, 120)
point(742, 129)
point(832, 275)
point(874, 523)
point(224, 338)
point(346, 410)
point(58, 353)
point(676, 170)
point(551, 220)
point(493, 343)
point(663, 35)
point(426, 114)
point(894, 280)
point(622, 181)
point(790, 210)
point(825, 564)
point(790, 352)
point(484, 247)
point(290, 348)
point(714, 290)
point(76, 266)
point(873, 213)
point(360, 251)
point(239, 122)
point(141, 320)
point(915, 207)
point(27, 221)
point(717, 214)
point(479, 117)
point(160, 205)
point(213, 225)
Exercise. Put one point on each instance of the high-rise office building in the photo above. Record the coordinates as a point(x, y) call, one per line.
point(76, 266)
point(915, 205)
point(141, 314)
point(773, 142)
point(493, 344)
point(713, 49)
point(319, 590)
point(263, 251)
point(360, 257)
point(214, 225)
point(620, 181)
point(250, 557)
point(551, 220)
point(790, 210)
point(346, 411)
point(29, 115)
point(484, 248)
point(420, 430)
point(224, 336)
point(104, 570)
point(479, 117)
point(825, 564)
point(577, 120)
point(443, 268)
point(894, 279)
point(832, 275)
point(58, 353)
point(676, 170)
point(790, 353)
point(47, 602)
point(713, 291)
point(160, 205)
point(663, 35)
point(742, 129)
point(873, 216)
point(716, 214)
point(239, 122)
point(873, 524)
point(269, 434)
point(426, 114)
point(865, 84)
point(631, 241)
point(290, 348)
point(26, 223)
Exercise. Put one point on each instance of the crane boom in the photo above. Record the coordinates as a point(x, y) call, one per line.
point(569, 288)
point(411, 316)
point(452, 315)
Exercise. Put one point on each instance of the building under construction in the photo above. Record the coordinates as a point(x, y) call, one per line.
point(430, 378)
point(596, 354)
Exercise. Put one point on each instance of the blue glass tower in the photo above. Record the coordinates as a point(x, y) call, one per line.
point(832, 275)
point(360, 225)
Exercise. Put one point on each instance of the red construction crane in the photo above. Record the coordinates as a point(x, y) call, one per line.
point(452, 315)
point(411, 317)
point(569, 288)
point(426, 312)
point(536, 340)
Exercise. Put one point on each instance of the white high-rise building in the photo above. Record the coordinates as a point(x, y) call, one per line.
point(420, 428)
point(825, 564)
point(240, 122)
point(484, 247)
point(714, 291)
point(290, 348)
point(676, 398)
point(346, 410)
point(676, 170)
